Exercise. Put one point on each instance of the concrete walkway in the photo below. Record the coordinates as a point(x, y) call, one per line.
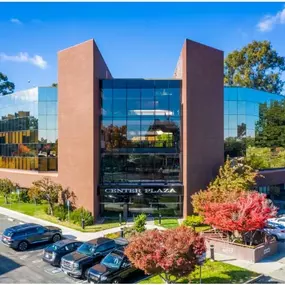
point(67, 232)
point(273, 266)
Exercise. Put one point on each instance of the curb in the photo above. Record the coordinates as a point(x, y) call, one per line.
point(253, 279)
point(144, 279)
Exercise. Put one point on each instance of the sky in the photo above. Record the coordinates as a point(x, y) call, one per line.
point(137, 40)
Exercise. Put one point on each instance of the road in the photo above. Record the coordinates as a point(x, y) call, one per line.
point(28, 267)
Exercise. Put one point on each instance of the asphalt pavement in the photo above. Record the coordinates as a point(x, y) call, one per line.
point(28, 267)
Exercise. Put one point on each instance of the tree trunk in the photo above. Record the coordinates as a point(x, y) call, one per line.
point(50, 208)
point(6, 199)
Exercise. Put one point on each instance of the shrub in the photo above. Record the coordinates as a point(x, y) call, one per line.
point(193, 221)
point(14, 198)
point(60, 211)
point(113, 235)
point(77, 215)
point(24, 197)
point(140, 222)
point(129, 232)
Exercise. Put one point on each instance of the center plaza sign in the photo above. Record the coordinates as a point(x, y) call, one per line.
point(142, 190)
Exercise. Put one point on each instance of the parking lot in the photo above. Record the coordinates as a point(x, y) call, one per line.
point(27, 267)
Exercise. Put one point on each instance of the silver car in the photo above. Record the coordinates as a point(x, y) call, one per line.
point(276, 230)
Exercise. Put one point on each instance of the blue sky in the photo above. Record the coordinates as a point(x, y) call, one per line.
point(136, 39)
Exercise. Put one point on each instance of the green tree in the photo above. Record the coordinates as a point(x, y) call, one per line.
point(35, 194)
point(257, 65)
point(234, 177)
point(270, 128)
point(6, 87)
point(258, 158)
point(235, 174)
point(50, 191)
point(6, 188)
point(54, 85)
point(140, 222)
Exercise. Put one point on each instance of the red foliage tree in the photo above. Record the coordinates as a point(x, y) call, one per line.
point(249, 212)
point(172, 253)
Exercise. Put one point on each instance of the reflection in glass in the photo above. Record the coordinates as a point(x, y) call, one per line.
point(143, 124)
point(28, 130)
point(256, 131)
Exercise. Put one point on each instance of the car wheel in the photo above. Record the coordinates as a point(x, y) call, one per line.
point(275, 237)
point(23, 245)
point(56, 238)
point(116, 281)
point(85, 274)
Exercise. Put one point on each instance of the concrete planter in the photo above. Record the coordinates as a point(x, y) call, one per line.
point(238, 251)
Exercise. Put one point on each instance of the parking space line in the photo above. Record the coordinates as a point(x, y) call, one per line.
point(10, 219)
point(37, 261)
point(24, 256)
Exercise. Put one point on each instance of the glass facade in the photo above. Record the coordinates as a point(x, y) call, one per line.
point(140, 131)
point(254, 127)
point(140, 136)
point(28, 130)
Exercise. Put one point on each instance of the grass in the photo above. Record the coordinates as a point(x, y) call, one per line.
point(38, 211)
point(167, 223)
point(212, 272)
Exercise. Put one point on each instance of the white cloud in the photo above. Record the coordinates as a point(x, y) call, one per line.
point(36, 60)
point(269, 21)
point(16, 21)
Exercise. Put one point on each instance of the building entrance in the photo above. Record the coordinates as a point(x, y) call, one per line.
point(151, 200)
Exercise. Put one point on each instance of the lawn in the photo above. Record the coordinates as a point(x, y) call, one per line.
point(212, 272)
point(173, 223)
point(38, 211)
point(167, 223)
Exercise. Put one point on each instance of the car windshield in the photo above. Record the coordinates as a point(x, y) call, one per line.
point(279, 226)
point(53, 247)
point(8, 233)
point(112, 261)
point(87, 249)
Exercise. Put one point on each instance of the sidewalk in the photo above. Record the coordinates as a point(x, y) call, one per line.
point(67, 232)
point(273, 266)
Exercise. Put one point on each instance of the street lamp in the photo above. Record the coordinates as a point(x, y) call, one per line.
point(201, 260)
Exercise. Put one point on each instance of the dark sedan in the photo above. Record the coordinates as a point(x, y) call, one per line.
point(114, 268)
point(22, 236)
point(54, 252)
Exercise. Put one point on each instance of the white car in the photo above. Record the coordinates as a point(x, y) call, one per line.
point(279, 220)
point(276, 230)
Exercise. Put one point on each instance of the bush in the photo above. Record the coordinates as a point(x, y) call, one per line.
point(140, 222)
point(24, 197)
point(193, 221)
point(14, 198)
point(129, 232)
point(60, 212)
point(77, 215)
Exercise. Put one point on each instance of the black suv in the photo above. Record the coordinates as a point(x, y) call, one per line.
point(88, 254)
point(54, 252)
point(113, 268)
point(21, 236)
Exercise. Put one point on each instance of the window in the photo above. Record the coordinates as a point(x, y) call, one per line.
point(143, 120)
point(41, 230)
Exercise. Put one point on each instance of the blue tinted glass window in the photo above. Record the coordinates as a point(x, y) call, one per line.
point(233, 107)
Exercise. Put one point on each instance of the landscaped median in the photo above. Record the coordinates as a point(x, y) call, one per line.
point(212, 272)
point(39, 211)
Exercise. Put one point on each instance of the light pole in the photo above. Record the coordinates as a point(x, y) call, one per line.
point(201, 260)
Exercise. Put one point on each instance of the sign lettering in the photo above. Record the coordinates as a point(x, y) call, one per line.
point(142, 190)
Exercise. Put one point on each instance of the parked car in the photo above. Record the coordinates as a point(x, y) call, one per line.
point(279, 220)
point(114, 268)
point(22, 236)
point(276, 230)
point(54, 252)
point(88, 254)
